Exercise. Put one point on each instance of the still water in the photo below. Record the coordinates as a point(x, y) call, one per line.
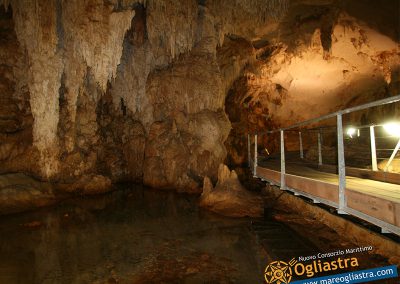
point(133, 235)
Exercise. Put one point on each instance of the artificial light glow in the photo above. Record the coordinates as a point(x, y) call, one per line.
point(351, 131)
point(392, 128)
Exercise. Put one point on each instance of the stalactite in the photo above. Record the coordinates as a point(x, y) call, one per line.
point(96, 34)
point(171, 27)
point(90, 34)
point(35, 25)
point(170, 62)
point(276, 8)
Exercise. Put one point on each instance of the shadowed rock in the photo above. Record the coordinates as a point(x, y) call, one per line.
point(19, 192)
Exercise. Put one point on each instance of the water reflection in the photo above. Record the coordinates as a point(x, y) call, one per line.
point(130, 236)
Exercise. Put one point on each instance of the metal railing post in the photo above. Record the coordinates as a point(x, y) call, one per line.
point(396, 149)
point(283, 170)
point(255, 155)
point(341, 166)
point(373, 148)
point(319, 148)
point(248, 150)
point(301, 146)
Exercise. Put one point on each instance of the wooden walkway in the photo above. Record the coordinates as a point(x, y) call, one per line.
point(374, 201)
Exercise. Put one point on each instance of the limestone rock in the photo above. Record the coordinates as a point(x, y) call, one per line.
point(318, 67)
point(19, 192)
point(229, 197)
point(207, 187)
point(394, 166)
point(122, 143)
point(88, 185)
point(194, 91)
point(139, 91)
point(180, 152)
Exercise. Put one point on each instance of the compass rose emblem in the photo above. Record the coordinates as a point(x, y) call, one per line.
point(279, 272)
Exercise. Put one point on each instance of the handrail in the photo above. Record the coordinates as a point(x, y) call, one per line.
point(341, 205)
point(385, 101)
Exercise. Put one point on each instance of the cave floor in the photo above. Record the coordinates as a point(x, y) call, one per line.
point(133, 235)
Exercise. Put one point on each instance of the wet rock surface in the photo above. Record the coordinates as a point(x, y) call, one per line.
point(19, 192)
point(230, 197)
point(321, 238)
point(328, 232)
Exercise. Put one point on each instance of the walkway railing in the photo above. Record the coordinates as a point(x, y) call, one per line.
point(341, 205)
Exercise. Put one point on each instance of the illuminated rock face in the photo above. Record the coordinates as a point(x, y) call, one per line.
point(108, 91)
point(323, 59)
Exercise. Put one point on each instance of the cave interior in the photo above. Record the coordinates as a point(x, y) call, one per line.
point(120, 107)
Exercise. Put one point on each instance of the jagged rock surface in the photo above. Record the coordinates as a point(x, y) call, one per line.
point(139, 90)
point(128, 90)
point(229, 197)
point(326, 60)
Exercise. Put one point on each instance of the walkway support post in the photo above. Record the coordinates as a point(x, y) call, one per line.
point(283, 170)
point(319, 148)
point(255, 156)
point(392, 156)
point(373, 148)
point(301, 146)
point(341, 166)
point(248, 150)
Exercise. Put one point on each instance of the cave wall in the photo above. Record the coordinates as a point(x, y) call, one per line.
point(323, 57)
point(162, 91)
point(110, 91)
point(62, 49)
point(15, 111)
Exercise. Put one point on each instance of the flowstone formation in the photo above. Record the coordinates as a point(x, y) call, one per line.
point(67, 61)
point(97, 91)
point(161, 92)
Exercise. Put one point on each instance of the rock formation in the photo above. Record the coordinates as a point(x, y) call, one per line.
point(229, 197)
point(121, 89)
point(19, 192)
point(326, 58)
point(161, 91)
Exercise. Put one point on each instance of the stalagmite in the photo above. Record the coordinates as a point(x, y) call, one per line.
point(149, 124)
point(161, 92)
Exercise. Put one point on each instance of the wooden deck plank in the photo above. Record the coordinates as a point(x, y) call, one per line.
point(378, 199)
point(268, 174)
point(371, 187)
point(316, 188)
point(379, 208)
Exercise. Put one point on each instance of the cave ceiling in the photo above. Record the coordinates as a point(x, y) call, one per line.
point(161, 91)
